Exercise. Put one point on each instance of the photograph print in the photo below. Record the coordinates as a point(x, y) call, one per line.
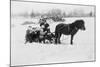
point(51, 33)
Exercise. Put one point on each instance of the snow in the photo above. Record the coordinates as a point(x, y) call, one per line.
point(36, 53)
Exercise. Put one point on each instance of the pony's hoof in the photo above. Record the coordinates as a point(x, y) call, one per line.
point(60, 43)
point(55, 43)
point(71, 43)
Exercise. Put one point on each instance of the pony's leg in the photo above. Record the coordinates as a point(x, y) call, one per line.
point(59, 35)
point(72, 39)
point(44, 40)
point(26, 39)
point(25, 42)
point(56, 38)
point(39, 40)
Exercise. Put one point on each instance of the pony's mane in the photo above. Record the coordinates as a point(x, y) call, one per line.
point(78, 21)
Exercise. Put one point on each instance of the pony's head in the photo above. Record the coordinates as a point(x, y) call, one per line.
point(80, 24)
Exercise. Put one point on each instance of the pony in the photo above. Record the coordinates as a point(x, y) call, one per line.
point(68, 29)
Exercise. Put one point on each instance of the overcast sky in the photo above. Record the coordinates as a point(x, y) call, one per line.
point(20, 7)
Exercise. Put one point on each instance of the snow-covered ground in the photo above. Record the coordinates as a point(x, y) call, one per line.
point(35, 53)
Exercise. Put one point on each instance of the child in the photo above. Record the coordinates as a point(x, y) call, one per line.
point(42, 34)
point(46, 26)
